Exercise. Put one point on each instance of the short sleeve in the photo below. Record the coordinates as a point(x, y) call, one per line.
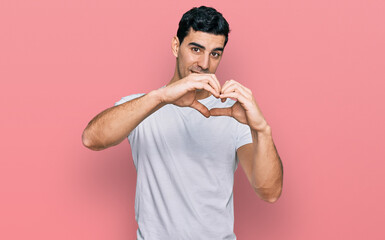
point(243, 135)
point(126, 99)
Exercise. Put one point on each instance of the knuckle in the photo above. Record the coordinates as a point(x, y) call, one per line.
point(195, 84)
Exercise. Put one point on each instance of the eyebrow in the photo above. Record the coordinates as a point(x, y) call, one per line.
point(198, 45)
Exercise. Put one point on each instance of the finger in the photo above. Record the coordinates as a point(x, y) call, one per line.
point(217, 82)
point(237, 88)
point(201, 108)
point(232, 83)
point(227, 85)
point(207, 87)
point(224, 85)
point(208, 78)
point(221, 112)
point(235, 95)
point(214, 83)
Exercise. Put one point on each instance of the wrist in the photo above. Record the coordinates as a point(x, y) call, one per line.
point(263, 131)
point(157, 94)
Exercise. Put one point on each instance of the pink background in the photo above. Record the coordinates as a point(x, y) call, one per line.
point(316, 68)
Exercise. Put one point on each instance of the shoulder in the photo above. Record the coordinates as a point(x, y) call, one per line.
point(128, 98)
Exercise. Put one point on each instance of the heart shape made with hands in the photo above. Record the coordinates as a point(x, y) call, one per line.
point(233, 90)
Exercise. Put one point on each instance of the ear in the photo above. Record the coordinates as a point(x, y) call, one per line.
point(175, 46)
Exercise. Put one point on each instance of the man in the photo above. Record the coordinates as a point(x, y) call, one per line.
point(188, 137)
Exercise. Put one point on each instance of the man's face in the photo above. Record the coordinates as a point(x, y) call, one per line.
point(199, 52)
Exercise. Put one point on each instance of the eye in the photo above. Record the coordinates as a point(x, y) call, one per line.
point(195, 49)
point(215, 54)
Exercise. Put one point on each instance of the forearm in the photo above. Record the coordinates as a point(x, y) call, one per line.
point(267, 166)
point(113, 125)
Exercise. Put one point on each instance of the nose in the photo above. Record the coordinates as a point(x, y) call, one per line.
point(204, 62)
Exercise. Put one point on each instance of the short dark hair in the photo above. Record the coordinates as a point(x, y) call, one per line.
point(205, 19)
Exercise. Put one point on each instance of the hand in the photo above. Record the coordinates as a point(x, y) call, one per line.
point(183, 92)
point(245, 110)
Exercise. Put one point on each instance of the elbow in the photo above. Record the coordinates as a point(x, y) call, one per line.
point(270, 195)
point(89, 142)
point(271, 200)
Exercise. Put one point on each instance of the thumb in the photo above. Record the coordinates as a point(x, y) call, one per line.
point(220, 112)
point(201, 108)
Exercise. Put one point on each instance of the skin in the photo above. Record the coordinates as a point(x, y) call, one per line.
point(197, 59)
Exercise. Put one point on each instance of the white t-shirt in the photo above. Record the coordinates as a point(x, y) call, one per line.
point(185, 167)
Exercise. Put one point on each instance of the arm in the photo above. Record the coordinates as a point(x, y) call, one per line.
point(111, 126)
point(260, 159)
point(262, 165)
